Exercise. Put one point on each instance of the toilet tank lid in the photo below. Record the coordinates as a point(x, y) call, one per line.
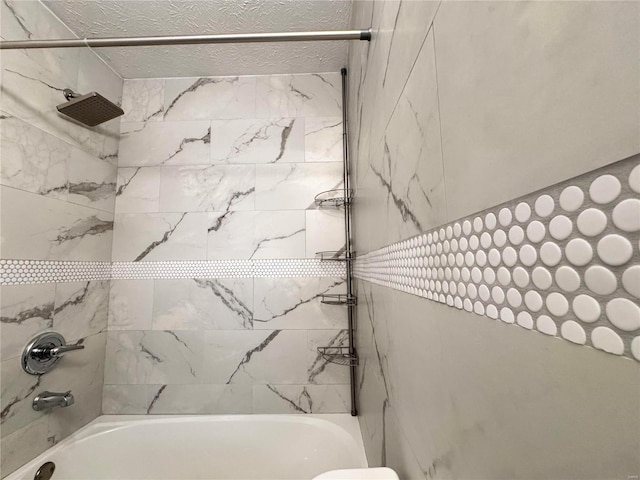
point(381, 473)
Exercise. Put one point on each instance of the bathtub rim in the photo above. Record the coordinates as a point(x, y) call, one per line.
point(103, 424)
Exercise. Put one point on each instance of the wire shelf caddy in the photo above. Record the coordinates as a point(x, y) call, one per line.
point(339, 355)
point(337, 299)
point(334, 198)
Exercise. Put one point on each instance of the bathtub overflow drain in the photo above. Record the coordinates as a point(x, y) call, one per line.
point(45, 472)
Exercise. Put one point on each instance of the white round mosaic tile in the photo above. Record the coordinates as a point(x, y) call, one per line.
point(523, 212)
point(591, 222)
point(560, 227)
point(475, 263)
point(535, 231)
point(550, 254)
point(557, 304)
point(604, 338)
point(586, 308)
point(614, 250)
point(631, 280)
point(572, 331)
point(626, 215)
point(525, 320)
point(567, 279)
point(579, 252)
point(634, 179)
point(600, 280)
point(571, 198)
point(544, 205)
point(505, 217)
point(623, 314)
point(546, 325)
point(541, 278)
point(605, 189)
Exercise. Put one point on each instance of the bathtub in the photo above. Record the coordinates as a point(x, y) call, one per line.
point(184, 447)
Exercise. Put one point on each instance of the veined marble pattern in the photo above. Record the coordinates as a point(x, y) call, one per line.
point(301, 398)
point(138, 190)
point(258, 141)
point(314, 95)
point(207, 188)
point(209, 98)
point(38, 162)
point(160, 236)
point(143, 100)
point(203, 304)
point(295, 303)
point(294, 186)
point(58, 189)
point(56, 230)
point(323, 139)
point(164, 143)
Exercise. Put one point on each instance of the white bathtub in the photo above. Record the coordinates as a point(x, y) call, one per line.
point(136, 447)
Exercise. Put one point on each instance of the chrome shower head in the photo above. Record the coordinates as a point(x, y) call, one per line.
point(91, 109)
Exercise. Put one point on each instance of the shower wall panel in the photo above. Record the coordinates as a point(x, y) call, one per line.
point(217, 178)
point(57, 194)
point(457, 108)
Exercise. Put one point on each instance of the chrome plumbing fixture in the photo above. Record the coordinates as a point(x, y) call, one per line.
point(44, 351)
point(46, 400)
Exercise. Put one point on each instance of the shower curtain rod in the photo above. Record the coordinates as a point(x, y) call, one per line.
point(189, 39)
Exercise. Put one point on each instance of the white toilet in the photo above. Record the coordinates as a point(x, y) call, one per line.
point(381, 473)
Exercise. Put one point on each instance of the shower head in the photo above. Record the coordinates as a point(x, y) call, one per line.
point(91, 109)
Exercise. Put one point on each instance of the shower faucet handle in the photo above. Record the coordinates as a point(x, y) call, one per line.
point(62, 349)
point(44, 351)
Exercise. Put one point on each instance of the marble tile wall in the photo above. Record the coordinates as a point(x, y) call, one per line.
point(57, 194)
point(455, 108)
point(224, 171)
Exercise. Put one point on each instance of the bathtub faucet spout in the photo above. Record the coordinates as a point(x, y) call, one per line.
point(46, 400)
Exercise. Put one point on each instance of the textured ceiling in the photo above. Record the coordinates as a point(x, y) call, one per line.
point(111, 18)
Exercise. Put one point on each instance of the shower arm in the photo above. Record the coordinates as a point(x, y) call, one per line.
point(190, 39)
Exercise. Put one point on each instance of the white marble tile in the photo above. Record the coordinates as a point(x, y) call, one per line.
point(320, 370)
point(412, 171)
point(26, 310)
point(94, 75)
point(301, 398)
point(257, 357)
point(160, 236)
point(16, 395)
point(92, 182)
point(256, 234)
point(315, 95)
point(210, 98)
point(258, 140)
point(56, 230)
point(323, 139)
point(540, 128)
point(279, 234)
point(138, 189)
point(231, 235)
point(294, 186)
point(199, 399)
point(164, 143)
point(81, 309)
point(124, 399)
point(130, 305)
point(294, 303)
point(217, 188)
point(203, 304)
point(154, 357)
point(143, 100)
point(23, 445)
point(33, 160)
point(325, 231)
